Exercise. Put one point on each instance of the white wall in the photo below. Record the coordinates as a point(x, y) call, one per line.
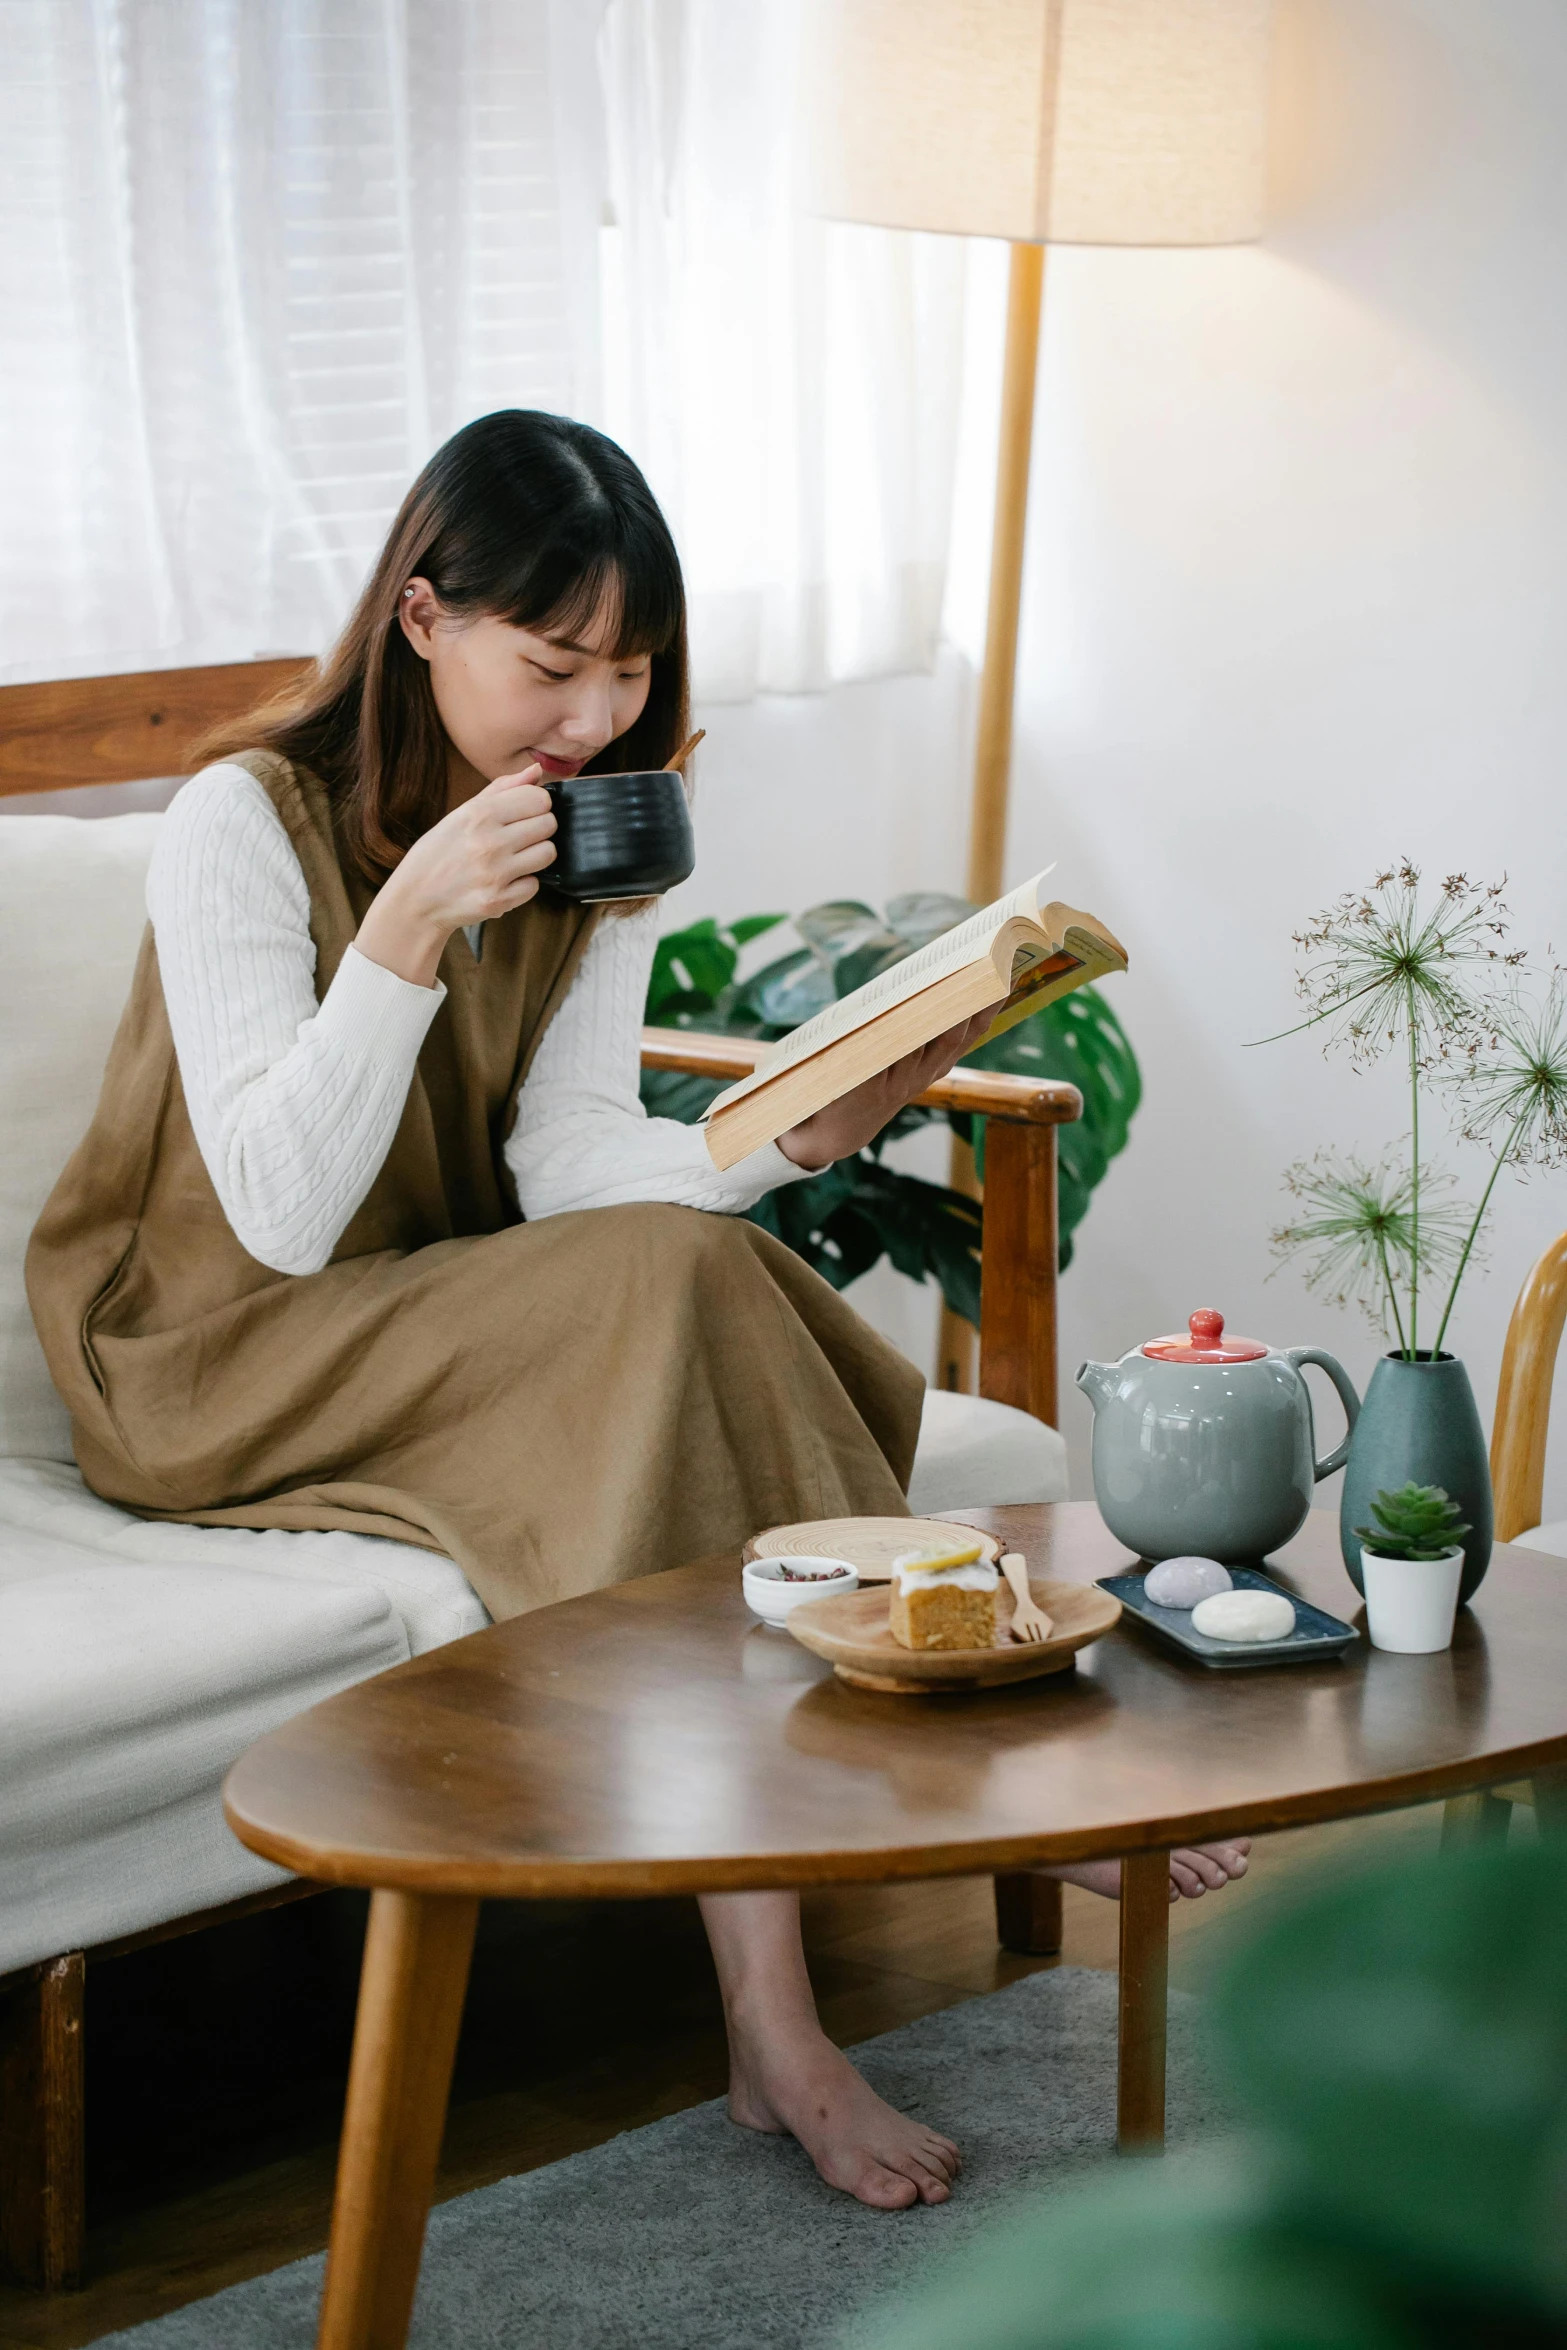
point(1296, 604)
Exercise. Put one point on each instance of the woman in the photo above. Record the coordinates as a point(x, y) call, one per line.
point(370, 1229)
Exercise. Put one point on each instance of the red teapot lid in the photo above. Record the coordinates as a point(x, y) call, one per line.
point(1204, 1343)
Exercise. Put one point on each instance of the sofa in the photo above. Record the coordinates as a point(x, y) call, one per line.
point(137, 1661)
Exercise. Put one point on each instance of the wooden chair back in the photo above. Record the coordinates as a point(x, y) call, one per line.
point(1523, 1395)
point(69, 733)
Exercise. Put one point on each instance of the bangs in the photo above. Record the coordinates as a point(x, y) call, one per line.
point(641, 609)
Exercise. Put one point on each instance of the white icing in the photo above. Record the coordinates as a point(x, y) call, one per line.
point(1182, 1582)
point(909, 1575)
point(1245, 1615)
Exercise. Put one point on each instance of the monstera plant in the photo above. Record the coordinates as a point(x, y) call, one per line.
point(846, 1219)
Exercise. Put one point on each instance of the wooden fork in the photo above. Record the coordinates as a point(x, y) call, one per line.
point(1028, 1621)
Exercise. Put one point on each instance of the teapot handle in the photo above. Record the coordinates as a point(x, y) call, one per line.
point(1298, 1356)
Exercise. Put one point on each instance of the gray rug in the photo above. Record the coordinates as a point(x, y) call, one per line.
point(693, 2235)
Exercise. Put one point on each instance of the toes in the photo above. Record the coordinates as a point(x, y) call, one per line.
point(933, 2185)
point(1186, 1881)
point(1201, 1864)
point(888, 2190)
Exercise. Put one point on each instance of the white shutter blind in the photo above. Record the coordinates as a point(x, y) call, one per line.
point(256, 262)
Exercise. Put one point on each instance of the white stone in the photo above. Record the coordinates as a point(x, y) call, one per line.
point(1183, 1582)
point(1245, 1615)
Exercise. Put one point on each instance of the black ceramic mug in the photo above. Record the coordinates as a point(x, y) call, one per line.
point(620, 836)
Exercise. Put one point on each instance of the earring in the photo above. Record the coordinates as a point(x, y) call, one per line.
point(408, 591)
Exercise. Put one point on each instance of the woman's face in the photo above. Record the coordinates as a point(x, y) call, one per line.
point(509, 699)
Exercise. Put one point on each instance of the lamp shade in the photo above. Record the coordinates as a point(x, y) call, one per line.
point(1075, 122)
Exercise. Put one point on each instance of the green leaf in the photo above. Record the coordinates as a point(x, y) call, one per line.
point(690, 964)
point(868, 960)
point(784, 993)
point(752, 926)
point(837, 924)
point(924, 914)
point(1417, 1522)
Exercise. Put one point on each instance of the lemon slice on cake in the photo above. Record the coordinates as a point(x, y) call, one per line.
point(932, 1562)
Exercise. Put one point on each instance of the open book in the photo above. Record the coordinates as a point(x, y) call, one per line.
point(1018, 954)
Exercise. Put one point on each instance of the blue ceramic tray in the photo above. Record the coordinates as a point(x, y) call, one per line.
point(1315, 1637)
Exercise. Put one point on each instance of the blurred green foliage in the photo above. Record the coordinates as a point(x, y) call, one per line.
point(844, 1220)
point(1399, 2045)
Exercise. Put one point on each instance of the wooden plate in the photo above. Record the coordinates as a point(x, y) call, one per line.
point(852, 1632)
point(871, 1544)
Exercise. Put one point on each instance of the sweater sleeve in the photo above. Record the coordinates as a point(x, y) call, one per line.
point(582, 1138)
point(293, 1102)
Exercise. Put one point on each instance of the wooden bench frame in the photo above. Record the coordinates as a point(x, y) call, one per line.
point(74, 733)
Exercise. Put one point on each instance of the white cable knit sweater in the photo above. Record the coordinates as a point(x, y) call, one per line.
point(294, 1102)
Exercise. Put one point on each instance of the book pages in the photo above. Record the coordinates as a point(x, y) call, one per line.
point(970, 942)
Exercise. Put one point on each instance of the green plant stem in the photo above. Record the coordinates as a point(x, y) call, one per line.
point(1392, 1293)
point(1502, 1158)
point(1414, 1184)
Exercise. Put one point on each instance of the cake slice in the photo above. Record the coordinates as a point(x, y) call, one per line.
point(943, 1599)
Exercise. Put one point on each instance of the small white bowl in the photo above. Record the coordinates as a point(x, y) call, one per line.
point(768, 1595)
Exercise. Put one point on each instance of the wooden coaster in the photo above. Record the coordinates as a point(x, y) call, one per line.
point(870, 1544)
point(853, 1634)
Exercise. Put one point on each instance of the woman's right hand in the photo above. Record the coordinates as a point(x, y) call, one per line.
point(480, 861)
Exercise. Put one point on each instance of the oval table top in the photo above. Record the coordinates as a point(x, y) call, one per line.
point(654, 1738)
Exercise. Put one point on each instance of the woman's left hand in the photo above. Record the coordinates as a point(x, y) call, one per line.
point(856, 1118)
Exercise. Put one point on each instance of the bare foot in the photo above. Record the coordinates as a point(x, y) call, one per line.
point(1195, 1869)
point(809, 2090)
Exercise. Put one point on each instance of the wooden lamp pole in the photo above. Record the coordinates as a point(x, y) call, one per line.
point(993, 743)
point(997, 686)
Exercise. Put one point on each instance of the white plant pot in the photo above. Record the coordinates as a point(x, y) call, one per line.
point(1411, 1603)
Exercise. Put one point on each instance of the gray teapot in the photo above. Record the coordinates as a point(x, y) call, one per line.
point(1204, 1445)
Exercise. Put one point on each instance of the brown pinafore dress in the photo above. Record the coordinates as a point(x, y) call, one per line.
point(558, 1406)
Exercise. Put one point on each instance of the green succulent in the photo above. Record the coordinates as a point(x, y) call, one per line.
point(845, 1219)
point(1416, 1522)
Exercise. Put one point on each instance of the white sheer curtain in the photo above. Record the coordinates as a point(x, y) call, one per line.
point(791, 386)
point(257, 258)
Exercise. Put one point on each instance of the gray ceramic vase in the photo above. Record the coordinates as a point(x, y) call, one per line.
point(1418, 1425)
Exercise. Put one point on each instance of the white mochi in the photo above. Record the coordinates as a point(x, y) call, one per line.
point(1245, 1615)
point(1183, 1582)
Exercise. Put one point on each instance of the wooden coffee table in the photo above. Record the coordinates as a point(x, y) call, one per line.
point(652, 1739)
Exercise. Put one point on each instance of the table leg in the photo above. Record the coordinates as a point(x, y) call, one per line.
point(1550, 1802)
point(1028, 1913)
point(1475, 1819)
point(411, 1992)
point(1145, 1955)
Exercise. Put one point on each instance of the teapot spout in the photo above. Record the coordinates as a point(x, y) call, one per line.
point(1097, 1381)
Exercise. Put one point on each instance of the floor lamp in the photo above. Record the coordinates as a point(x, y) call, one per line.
point(1076, 122)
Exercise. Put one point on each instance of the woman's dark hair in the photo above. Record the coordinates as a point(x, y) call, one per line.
point(525, 517)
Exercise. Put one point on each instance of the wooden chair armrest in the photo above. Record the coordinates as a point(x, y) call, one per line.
point(991, 1094)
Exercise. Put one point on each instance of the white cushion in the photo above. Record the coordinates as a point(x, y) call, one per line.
point(973, 1452)
point(43, 1503)
point(1552, 1538)
point(137, 1662)
point(72, 912)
